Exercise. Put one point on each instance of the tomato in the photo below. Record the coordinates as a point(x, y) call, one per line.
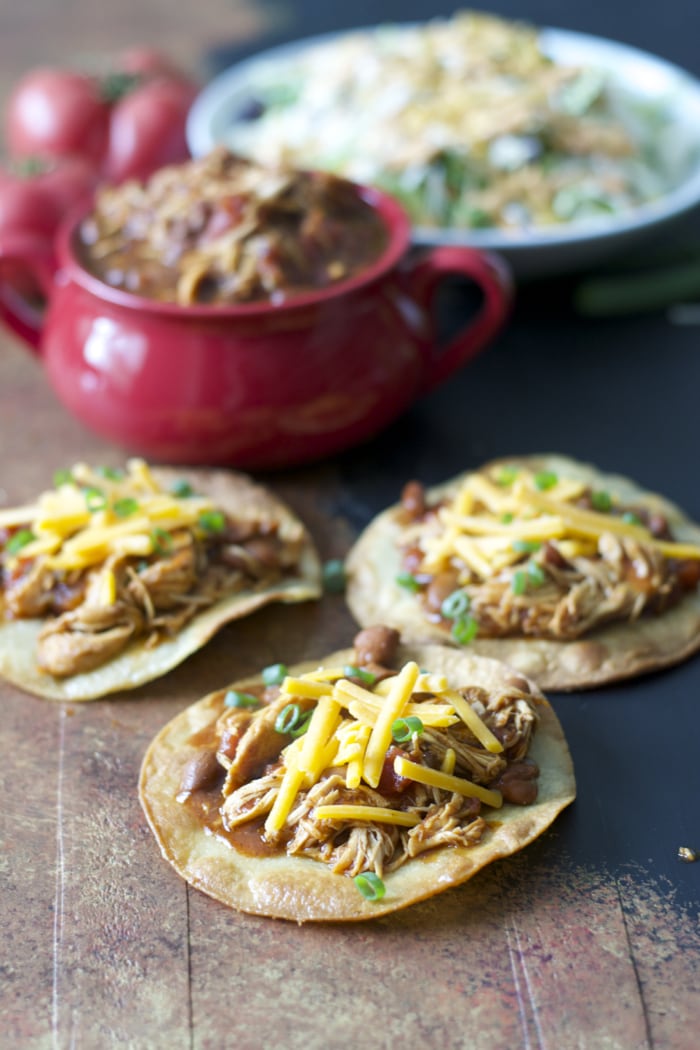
point(55, 113)
point(35, 204)
point(26, 208)
point(147, 129)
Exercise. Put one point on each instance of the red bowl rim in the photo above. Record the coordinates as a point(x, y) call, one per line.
point(391, 212)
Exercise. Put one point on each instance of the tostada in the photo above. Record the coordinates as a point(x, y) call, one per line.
point(115, 576)
point(573, 576)
point(356, 785)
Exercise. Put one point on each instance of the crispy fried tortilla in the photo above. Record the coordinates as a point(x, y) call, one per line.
point(236, 799)
point(113, 578)
point(572, 576)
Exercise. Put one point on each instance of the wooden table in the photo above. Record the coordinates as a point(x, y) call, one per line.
point(588, 939)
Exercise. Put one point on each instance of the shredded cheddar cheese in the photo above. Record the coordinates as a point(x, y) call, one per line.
point(436, 778)
point(491, 517)
point(351, 728)
point(90, 515)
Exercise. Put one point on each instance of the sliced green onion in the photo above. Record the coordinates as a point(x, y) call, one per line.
point(302, 725)
point(234, 698)
point(292, 720)
point(95, 499)
point(287, 718)
point(545, 479)
point(465, 629)
point(519, 582)
point(212, 520)
point(601, 500)
point(506, 475)
point(125, 507)
point(408, 581)
point(63, 477)
point(274, 674)
point(631, 518)
point(455, 605)
point(507, 517)
point(20, 539)
point(111, 473)
point(351, 671)
point(404, 729)
point(370, 886)
point(182, 489)
point(162, 541)
point(526, 546)
point(536, 574)
point(334, 578)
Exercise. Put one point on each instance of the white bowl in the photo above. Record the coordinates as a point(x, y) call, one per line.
point(534, 251)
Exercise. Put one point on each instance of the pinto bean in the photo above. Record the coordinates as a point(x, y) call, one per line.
point(413, 500)
point(688, 573)
point(440, 587)
point(518, 783)
point(376, 645)
point(201, 771)
point(519, 683)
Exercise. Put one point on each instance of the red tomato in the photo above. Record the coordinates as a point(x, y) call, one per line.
point(25, 206)
point(35, 204)
point(147, 129)
point(57, 113)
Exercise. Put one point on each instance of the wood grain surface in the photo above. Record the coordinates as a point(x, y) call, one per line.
point(562, 946)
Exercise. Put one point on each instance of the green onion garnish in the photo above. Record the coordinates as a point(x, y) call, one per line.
point(112, 473)
point(124, 507)
point(526, 546)
point(20, 539)
point(545, 479)
point(95, 499)
point(275, 674)
point(63, 477)
point(507, 517)
point(162, 541)
point(465, 629)
point(601, 500)
point(455, 604)
point(182, 489)
point(631, 518)
point(519, 582)
point(370, 886)
point(350, 671)
point(212, 520)
point(408, 581)
point(234, 698)
point(404, 729)
point(506, 475)
point(292, 720)
point(334, 578)
point(302, 725)
point(536, 574)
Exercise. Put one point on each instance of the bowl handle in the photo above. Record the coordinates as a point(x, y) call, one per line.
point(424, 277)
point(31, 259)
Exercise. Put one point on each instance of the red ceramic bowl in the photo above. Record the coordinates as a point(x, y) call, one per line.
point(256, 385)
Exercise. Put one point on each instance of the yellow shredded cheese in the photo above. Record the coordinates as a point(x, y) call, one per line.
point(436, 778)
point(378, 814)
point(472, 721)
point(449, 761)
point(305, 688)
point(392, 709)
point(324, 722)
point(84, 520)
